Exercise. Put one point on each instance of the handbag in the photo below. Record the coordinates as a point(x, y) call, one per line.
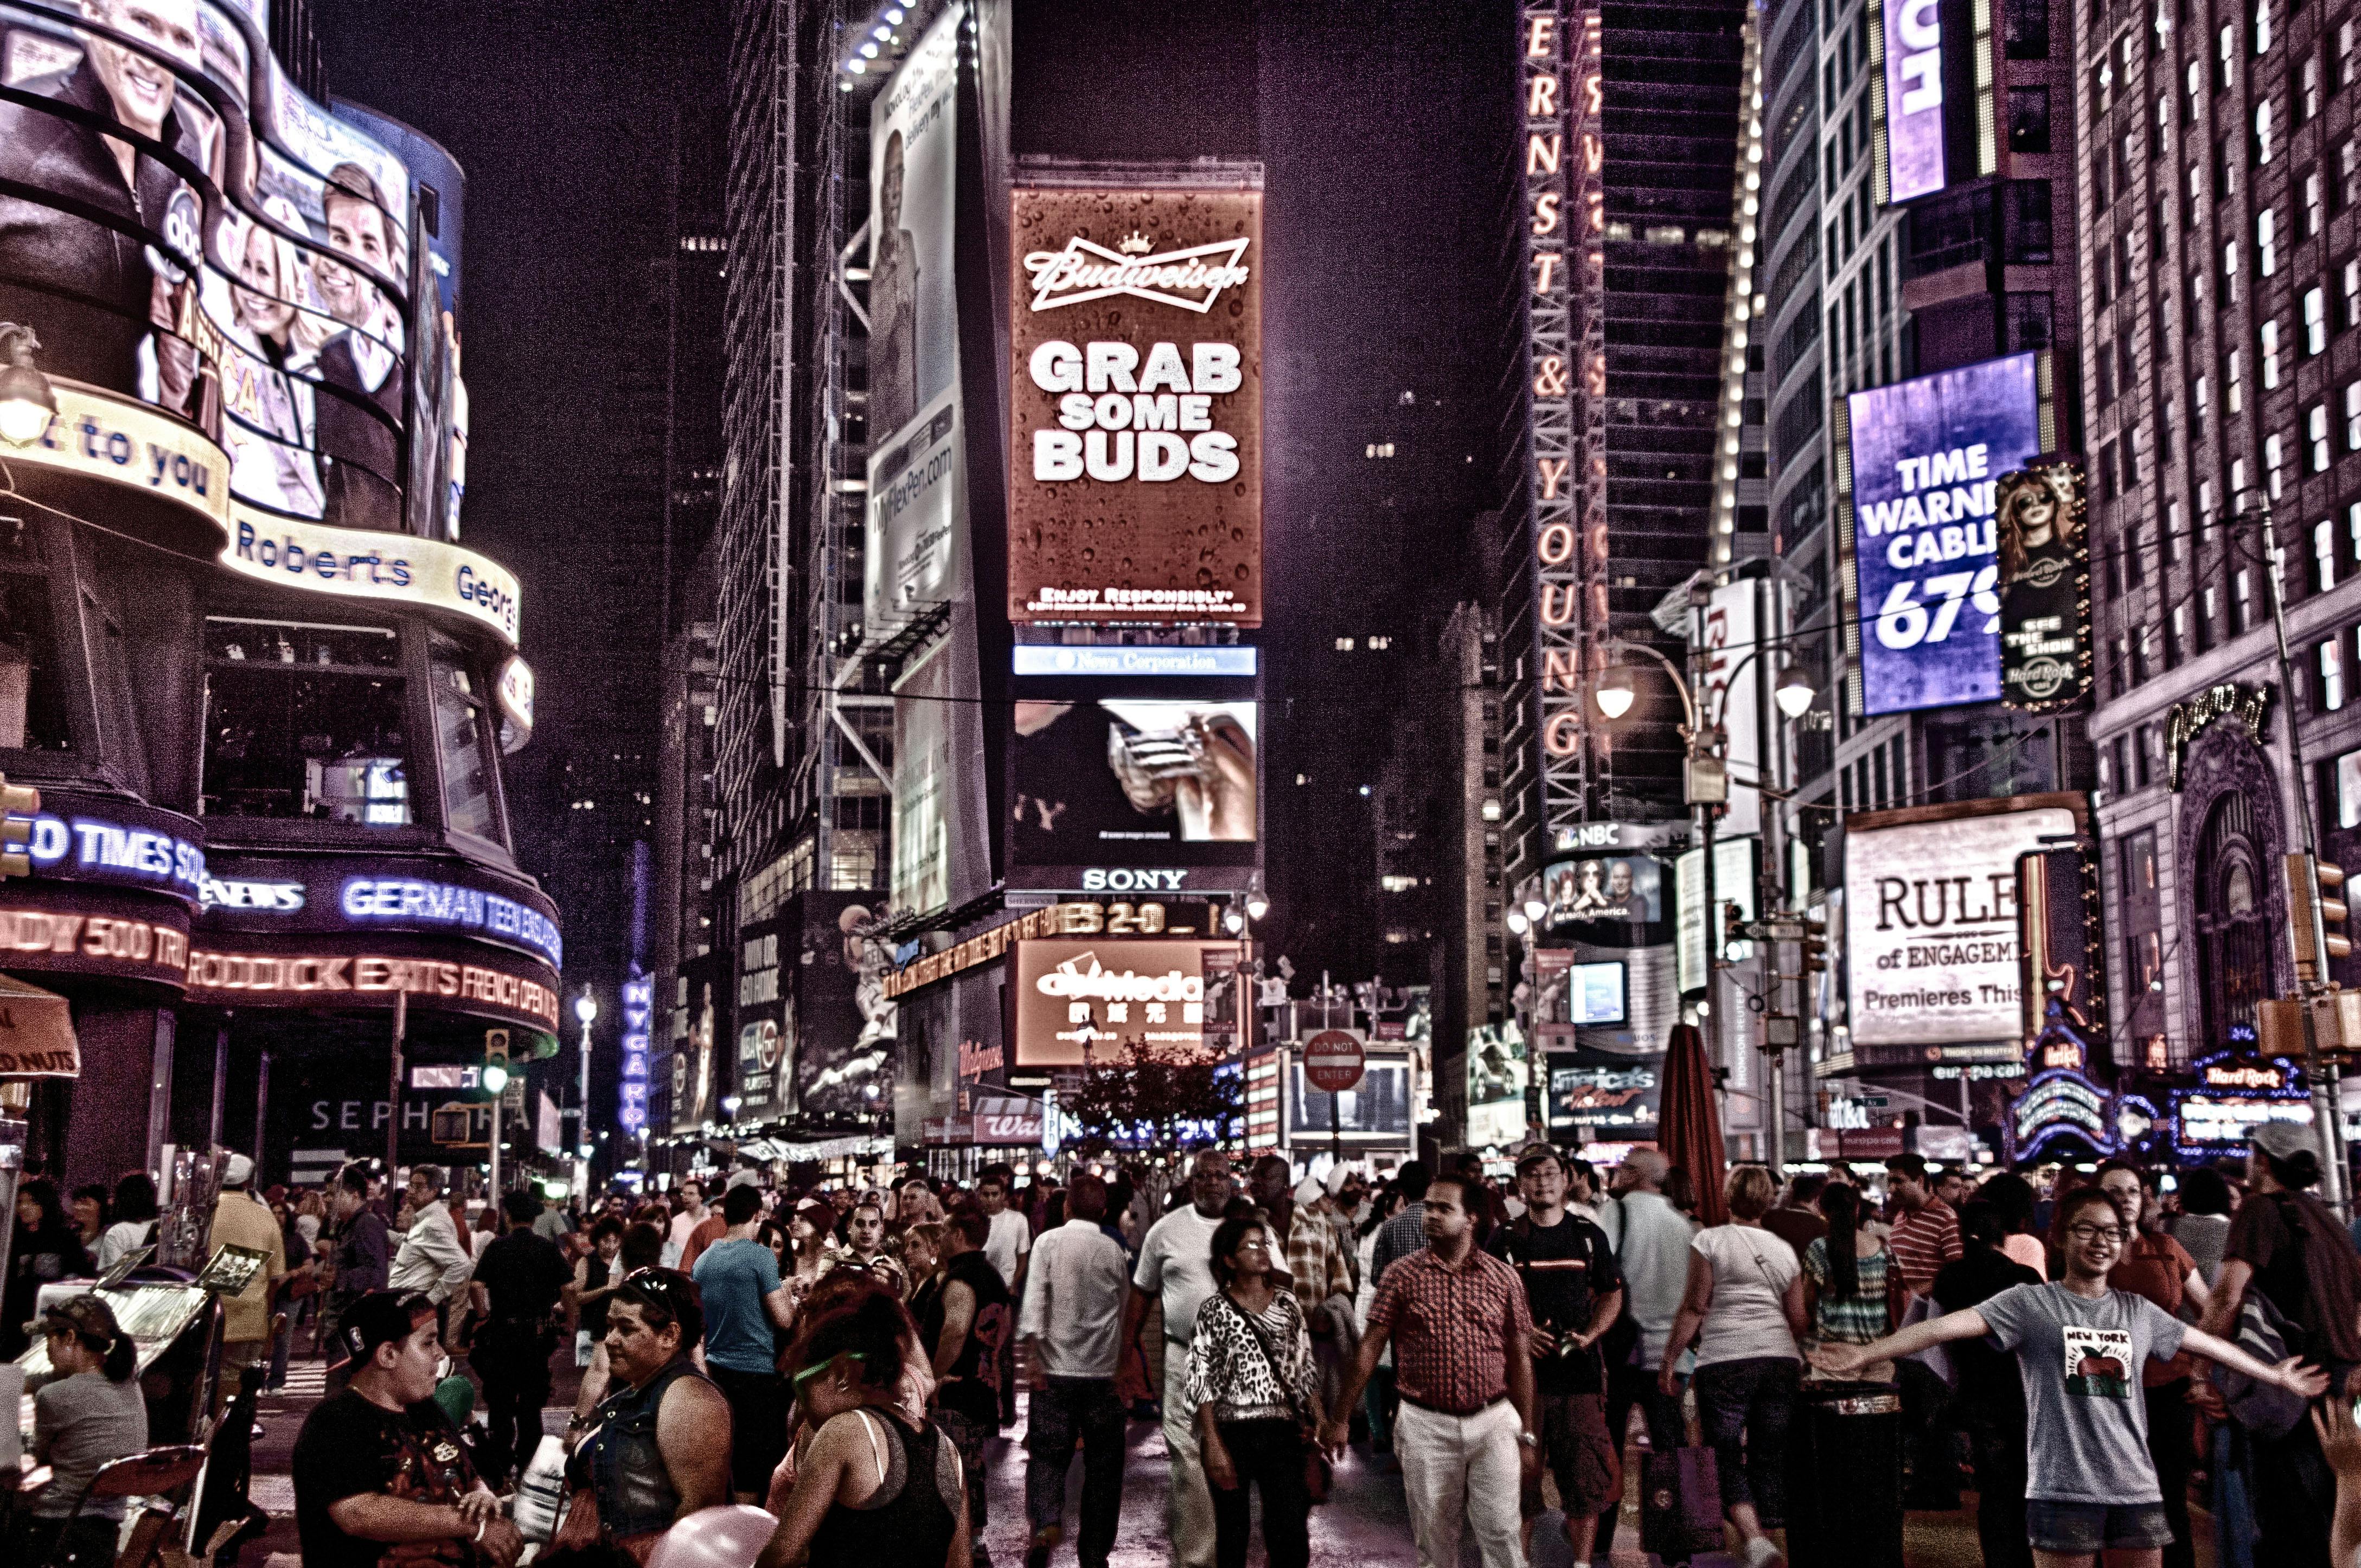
point(1319, 1472)
point(2265, 1410)
point(1680, 1503)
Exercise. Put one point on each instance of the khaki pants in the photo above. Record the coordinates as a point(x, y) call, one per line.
point(1190, 1511)
point(1462, 1472)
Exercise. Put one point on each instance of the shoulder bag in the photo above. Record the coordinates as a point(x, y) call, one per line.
point(1319, 1474)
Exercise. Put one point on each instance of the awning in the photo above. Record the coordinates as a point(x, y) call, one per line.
point(37, 1035)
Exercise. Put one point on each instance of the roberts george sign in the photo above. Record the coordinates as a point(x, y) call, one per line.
point(1136, 406)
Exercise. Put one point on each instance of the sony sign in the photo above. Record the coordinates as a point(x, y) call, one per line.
point(1119, 879)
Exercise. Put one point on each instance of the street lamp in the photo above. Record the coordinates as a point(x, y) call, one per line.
point(1614, 693)
point(586, 1008)
point(1257, 906)
point(1518, 923)
point(1534, 910)
point(1794, 691)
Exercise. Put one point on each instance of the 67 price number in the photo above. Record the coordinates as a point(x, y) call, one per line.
point(1907, 619)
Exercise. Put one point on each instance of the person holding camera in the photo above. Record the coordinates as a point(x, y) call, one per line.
point(1575, 1293)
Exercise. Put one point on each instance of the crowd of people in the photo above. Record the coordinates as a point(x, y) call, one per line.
point(2087, 1356)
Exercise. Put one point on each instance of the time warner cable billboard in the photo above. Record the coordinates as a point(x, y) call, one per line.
point(1927, 456)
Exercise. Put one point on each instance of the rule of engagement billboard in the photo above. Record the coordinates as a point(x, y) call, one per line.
point(917, 556)
point(1932, 954)
point(1926, 455)
point(1136, 406)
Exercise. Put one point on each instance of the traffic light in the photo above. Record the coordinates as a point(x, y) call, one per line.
point(2315, 914)
point(496, 1059)
point(1733, 929)
point(1813, 948)
point(21, 805)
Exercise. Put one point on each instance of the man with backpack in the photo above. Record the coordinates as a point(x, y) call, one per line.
point(1574, 1294)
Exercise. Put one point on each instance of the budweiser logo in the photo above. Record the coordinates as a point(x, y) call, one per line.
point(1191, 278)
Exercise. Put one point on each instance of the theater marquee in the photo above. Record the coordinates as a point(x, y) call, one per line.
point(1135, 403)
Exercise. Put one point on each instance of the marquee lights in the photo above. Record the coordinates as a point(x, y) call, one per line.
point(1746, 201)
point(368, 978)
point(639, 1007)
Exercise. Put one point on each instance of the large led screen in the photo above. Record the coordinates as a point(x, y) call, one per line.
point(1096, 1000)
point(1136, 406)
point(1161, 786)
point(247, 274)
point(1926, 456)
point(1914, 97)
point(1932, 953)
point(915, 556)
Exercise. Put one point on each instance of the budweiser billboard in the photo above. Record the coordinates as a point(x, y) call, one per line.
point(1135, 403)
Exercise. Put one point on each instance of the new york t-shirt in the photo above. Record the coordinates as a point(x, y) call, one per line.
point(2080, 1361)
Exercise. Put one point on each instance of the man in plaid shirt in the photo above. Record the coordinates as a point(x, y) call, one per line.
point(1316, 1265)
point(1461, 1334)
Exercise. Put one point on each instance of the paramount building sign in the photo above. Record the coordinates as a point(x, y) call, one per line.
point(1931, 932)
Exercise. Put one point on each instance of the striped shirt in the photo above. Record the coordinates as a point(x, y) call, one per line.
point(1923, 1243)
point(1856, 1319)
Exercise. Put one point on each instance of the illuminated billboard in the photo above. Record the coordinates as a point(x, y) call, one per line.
point(1913, 37)
point(249, 276)
point(917, 529)
point(1156, 789)
point(1603, 887)
point(1135, 404)
point(1932, 949)
point(1926, 456)
point(1080, 1001)
point(2045, 588)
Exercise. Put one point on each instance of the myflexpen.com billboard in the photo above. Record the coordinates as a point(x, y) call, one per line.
point(1926, 456)
point(1136, 406)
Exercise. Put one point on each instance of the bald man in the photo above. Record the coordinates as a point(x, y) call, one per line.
point(1652, 1248)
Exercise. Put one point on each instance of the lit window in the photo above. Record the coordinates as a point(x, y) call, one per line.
point(2315, 320)
point(2316, 434)
point(1343, 645)
point(2332, 676)
point(2267, 252)
point(305, 721)
point(2269, 336)
point(2324, 554)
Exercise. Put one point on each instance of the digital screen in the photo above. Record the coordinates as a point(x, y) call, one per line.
point(1926, 458)
point(268, 304)
point(1136, 406)
point(1594, 993)
point(1603, 887)
point(1098, 1000)
point(1378, 1105)
point(1932, 948)
point(2045, 588)
point(1914, 98)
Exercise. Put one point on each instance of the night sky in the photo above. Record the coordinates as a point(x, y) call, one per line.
point(1383, 131)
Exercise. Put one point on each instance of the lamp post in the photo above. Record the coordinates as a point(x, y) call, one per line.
point(586, 1008)
point(1705, 786)
point(27, 402)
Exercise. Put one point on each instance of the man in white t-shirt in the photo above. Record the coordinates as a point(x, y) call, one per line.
point(690, 1215)
point(1176, 1270)
point(1012, 1237)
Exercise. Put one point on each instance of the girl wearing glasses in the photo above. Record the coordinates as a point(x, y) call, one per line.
point(2079, 1346)
point(657, 1449)
point(875, 1486)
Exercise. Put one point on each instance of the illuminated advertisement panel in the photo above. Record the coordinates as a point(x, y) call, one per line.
point(425, 573)
point(1135, 405)
point(1927, 456)
point(267, 305)
point(1083, 1001)
point(918, 527)
point(330, 971)
point(1913, 37)
point(632, 1087)
point(2045, 588)
point(1932, 948)
point(1155, 790)
point(374, 892)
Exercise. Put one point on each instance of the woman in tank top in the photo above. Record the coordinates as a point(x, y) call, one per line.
point(873, 1488)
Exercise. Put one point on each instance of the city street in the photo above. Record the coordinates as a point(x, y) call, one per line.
point(1364, 1524)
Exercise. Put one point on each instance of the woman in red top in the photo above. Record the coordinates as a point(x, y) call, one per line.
point(2155, 1265)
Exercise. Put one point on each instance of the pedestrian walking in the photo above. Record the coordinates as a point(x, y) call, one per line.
point(2012, 1198)
point(657, 1447)
point(688, 1212)
point(1251, 1377)
point(1316, 1267)
point(967, 1332)
point(1925, 1236)
point(360, 1257)
point(1377, 1402)
point(1008, 1246)
point(743, 1298)
point(2285, 1245)
point(432, 1260)
point(1406, 1231)
point(1176, 1272)
point(241, 1220)
point(1844, 1503)
point(1572, 1294)
point(2202, 1226)
point(922, 1258)
point(1744, 1309)
point(380, 1474)
point(517, 1291)
point(712, 1228)
point(874, 1489)
point(1071, 1323)
point(88, 1413)
point(1798, 1219)
point(866, 1247)
point(1652, 1253)
point(2158, 1267)
point(2092, 1488)
point(1463, 1343)
point(1991, 1400)
point(595, 1279)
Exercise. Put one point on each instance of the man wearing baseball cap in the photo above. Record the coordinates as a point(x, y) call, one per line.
point(241, 1220)
point(379, 1474)
point(1575, 1293)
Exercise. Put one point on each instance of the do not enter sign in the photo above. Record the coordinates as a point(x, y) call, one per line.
point(1333, 1060)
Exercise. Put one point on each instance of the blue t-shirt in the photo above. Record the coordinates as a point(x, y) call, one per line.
point(733, 1277)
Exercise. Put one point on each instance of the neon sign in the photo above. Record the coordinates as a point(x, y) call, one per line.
point(639, 1007)
point(110, 851)
point(445, 904)
point(2060, 1102)
point(368, 977)
point(2234, 1095)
